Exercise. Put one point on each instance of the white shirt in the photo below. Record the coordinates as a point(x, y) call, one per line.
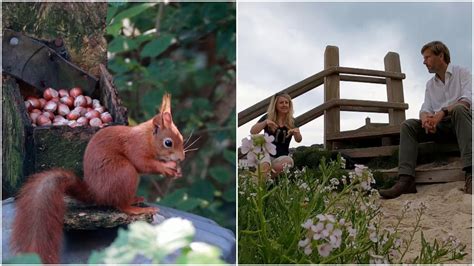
point(457, 85)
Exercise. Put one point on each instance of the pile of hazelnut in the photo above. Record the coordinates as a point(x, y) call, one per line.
point(63, 107)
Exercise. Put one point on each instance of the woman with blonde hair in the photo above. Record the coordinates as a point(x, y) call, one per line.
point(279, 123)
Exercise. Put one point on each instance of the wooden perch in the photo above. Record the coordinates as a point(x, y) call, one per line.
point(88, 217)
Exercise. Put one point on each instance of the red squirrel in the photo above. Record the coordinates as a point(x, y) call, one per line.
point(113, 160)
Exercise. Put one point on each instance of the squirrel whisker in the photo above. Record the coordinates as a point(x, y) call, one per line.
point(186, 142)
point(192, 143)
point(195, 149)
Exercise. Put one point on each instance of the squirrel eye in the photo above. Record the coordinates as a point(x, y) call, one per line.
point(168, 143)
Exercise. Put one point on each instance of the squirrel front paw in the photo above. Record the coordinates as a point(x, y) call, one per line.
point(171, 169)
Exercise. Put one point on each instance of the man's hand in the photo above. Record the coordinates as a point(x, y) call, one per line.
point(428, 122)
point(431, 121)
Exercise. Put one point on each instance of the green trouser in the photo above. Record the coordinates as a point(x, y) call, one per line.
point(456, 126)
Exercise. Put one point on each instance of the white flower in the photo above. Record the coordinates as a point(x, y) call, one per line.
point(329, 226)
point(324, 250)
point(330, 218)
point(308, 224)
point(359, 169)
point(397, 243)
point(269, 146)
point(352, 232)
point(334, 181)
point(308, 250)
point(317, 228)
point(318, 231)
point(247, 145)
point(286, 168)
point(304, 186)
point(304, 242)
point(343, 163)
point(336, 238)
point(321, 217)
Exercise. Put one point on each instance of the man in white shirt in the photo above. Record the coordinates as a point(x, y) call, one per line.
point(445, 113)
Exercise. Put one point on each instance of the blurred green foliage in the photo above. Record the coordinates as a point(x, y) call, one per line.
point(187, 49)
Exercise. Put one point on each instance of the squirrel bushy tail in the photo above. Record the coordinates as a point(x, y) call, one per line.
point(40, 209)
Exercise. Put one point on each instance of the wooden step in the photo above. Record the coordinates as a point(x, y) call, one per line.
point(433, 173)
point(369, 152)
point(365, 133)
point(423, 148)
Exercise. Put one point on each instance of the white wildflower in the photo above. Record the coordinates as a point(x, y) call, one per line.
point(352, 232)
point(308, 224)
point(247, 146)
point(334, 181)
point(359, 169)
point(308, 250)
point(343, 163)
point(303, 243)
point(269, 146)
point(324, 250)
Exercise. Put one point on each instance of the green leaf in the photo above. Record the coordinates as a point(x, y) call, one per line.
point(26, 258)
point(133, 11)
point(229, 194)
point(230, 156)
point(111, 10)
point(157, 46)
point(121, 44)
point(188, 204)
point(174, 197)
point(221, 174)
point(202, 189)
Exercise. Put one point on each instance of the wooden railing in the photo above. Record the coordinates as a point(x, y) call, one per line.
point(331, 77)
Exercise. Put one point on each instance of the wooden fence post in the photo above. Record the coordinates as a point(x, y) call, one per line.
point(394, 88)
point(331, 91)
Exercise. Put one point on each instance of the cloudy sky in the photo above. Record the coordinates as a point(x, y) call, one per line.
point(280, 44)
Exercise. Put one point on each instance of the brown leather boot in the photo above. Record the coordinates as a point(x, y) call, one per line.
point(468, 183)
point(406, 184)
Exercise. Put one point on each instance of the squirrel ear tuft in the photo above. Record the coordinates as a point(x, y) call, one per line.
point(166, 104)
point(167, 120)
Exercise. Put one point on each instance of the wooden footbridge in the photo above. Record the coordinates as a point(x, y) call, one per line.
point(370, 140)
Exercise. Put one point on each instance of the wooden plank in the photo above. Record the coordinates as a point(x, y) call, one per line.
point(394, 88)
point(379, 104)
point(369, 152)
point(375, 132)
point(351, 78)
point(364, 109)
point(294, 91)
point(434, 175)
point(331, 92)
point(423, 148)
point(370, 72)
point(347, 105)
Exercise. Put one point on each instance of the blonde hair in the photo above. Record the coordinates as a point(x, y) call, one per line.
point(272, 112)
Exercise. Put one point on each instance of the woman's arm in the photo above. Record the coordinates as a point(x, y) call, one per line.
point(258, 127)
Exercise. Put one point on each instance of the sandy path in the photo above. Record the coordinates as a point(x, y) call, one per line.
point(448, 211)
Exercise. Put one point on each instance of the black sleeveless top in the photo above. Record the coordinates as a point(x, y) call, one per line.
point(282, 141)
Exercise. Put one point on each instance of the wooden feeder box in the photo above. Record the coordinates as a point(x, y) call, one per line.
point(28, 149)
